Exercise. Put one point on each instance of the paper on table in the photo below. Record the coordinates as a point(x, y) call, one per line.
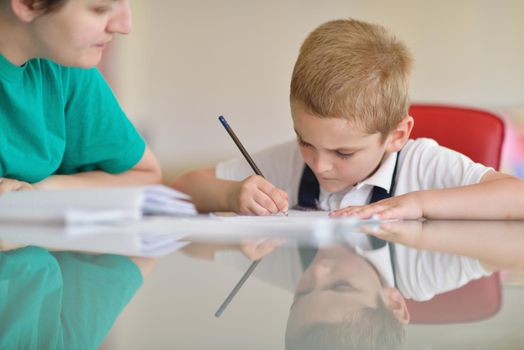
point(93, 205)
point(291, 216)
point(298, 223)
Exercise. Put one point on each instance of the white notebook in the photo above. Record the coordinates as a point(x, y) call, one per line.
point(93, 205)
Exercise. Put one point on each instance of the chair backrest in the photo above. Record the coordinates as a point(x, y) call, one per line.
point(479, 135)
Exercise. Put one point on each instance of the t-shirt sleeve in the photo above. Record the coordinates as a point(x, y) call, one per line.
point(438, 167)
point(99, 136)
point(423, 274)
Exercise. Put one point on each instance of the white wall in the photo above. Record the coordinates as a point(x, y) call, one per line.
point(188, 61)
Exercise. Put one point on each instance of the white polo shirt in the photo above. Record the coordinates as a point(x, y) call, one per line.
point(423, 165)
point(420, 274)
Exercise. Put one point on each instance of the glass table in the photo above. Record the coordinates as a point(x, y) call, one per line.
point(405, 284)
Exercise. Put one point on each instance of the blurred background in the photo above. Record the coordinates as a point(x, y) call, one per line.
point(188, 61)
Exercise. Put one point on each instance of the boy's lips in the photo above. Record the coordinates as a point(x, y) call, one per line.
point(328, 179)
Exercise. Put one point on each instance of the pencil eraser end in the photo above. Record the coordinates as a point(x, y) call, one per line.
point(223, 121)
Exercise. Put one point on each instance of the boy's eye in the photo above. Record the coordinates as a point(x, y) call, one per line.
point(343, 155)
point(341, 287)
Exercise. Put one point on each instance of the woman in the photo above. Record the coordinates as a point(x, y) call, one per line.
point(61, 127)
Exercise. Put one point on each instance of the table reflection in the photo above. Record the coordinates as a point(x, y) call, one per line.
point(61, 300)
point(343, 301)
point(360, 288)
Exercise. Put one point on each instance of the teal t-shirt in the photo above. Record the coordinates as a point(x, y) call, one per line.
point(61, 300)
point(61, 120)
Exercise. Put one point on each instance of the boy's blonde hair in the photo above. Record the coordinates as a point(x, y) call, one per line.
point(353, 70)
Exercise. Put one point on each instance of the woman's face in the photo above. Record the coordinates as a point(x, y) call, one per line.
point(77, 33)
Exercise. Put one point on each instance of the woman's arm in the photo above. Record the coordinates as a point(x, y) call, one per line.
point(146, 171)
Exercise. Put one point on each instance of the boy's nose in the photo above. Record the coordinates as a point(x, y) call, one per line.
point(321, 165)
point(320, 271)
point(121, 21)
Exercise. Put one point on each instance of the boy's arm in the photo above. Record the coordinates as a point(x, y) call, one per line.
point(207, 192)
point(497, 196)
point(253, 249)
point(253, 196)
point(496, 244)
point(146, 171)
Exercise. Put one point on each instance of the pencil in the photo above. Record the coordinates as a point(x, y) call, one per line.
point(237, 287)
point(240, 146)
point(254, 264)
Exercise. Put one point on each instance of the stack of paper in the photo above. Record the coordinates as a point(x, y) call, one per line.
point(93, 205)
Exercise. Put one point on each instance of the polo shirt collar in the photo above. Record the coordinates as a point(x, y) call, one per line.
point(382, 177)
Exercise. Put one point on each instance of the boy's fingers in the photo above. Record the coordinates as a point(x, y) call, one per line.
point(251, 207)
point(282, 201)
point(258, 210)
point(267, 202)
point(369, 210)
point(277, 196)
point(388, 214)
point(342, 212)
point(259, 248)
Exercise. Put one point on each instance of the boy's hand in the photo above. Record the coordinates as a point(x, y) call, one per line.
point(407, 206)
point(7, 185)
point(408, 233)
point(257, 196)
point(254, 250)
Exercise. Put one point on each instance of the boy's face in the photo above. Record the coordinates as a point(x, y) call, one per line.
point(77, 33)
point(339, 154)
point(338, 282)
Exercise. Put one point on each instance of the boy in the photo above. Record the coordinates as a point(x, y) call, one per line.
point(349, 104)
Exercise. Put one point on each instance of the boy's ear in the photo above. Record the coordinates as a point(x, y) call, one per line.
point(397, 304)
point(400, 135)
point(25, 10)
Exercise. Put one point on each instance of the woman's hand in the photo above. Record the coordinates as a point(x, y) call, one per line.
point(5, 246)
point(8, 185)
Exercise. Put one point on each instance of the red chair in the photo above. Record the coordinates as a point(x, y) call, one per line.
point(479, 135)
